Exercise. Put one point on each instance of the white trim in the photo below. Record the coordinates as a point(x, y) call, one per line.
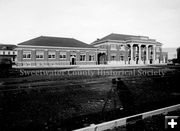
point(6, 52)
point(126, 41)
point(106, 41)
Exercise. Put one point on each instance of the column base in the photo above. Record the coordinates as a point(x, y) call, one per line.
point(147, 62)
point(132, 62)
point(155, 62)
point(140, 62)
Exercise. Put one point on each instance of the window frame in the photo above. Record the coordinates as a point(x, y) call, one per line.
point(26, 53)
point(122, 48)
point(39, 54)
point(113, 46)
point(114, 59)
point(63, 53)
point(49, 54)
point(90, 57)
point(122, 57)
point(84, 57)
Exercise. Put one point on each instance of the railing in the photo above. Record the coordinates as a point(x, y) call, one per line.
point(126, 120)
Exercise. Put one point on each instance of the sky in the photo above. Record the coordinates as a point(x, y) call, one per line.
point(87, 20)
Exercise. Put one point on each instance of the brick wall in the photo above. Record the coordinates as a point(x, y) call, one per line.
point(33, 61)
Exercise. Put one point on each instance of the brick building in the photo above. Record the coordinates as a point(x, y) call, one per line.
point(128, 49)
point(7, 52)
point(55, 51)
point(114, 49)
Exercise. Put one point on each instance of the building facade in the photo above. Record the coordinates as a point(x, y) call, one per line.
point(54, 51)
point(7, 52)
point(114, 49)
point(127, 49)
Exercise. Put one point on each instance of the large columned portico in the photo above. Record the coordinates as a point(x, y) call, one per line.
point(131, 50)
point(142, 54)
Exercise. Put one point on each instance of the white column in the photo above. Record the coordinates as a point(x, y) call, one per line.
point(140, 61)
point(147, 55)
point(131, 62)
point(154, 54)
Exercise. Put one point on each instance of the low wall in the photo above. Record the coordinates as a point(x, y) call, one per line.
point(126, 120)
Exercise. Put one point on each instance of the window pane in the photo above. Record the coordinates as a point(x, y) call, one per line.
point(26, 54)
point(51, 54)
point(91, 57)
point(113, 47)
point(82, 57)
point(62, 55)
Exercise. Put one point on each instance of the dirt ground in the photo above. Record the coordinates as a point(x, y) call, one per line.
point(45, 102)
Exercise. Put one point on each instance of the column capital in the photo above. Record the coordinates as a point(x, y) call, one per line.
point(131, 44)
point(139, 45)
point(147, 45)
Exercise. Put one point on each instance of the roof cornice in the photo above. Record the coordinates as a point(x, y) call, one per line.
point(29, 46)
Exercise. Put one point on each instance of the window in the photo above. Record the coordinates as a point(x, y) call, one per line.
point(26, 54)
point(39, 54)
point(121, 58)
point(13, 59)
point(91, 57)
point(51, 54)
point(122, 47)
point(113, 57)
point(82, 57)
point(103, 46)
point(113, 47)
point(62, 55)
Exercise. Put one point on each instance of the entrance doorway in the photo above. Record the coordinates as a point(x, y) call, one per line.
point(73, 60)
point(102, 58)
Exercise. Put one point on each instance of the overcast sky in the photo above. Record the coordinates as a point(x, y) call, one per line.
point(87, 20)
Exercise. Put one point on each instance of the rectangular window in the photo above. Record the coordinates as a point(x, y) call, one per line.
point(113, 47)
point(26, 54)
point(82, 57)
point(51, 55)
point(121, 58)
point(122, 48)
point(39, 55)
point(91, 57)
point(113, 57)
point(62, 55)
